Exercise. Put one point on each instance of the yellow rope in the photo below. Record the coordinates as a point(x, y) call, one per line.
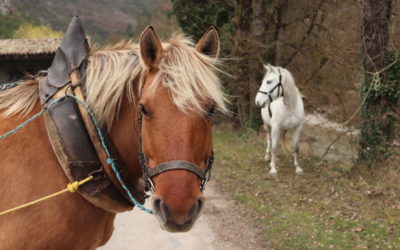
point(71, 187)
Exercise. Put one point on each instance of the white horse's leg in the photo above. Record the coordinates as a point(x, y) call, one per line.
point(267, 156)
point(295, 145)
point(275, 133)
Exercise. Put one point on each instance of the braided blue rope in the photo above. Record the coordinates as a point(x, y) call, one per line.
point(8, 85)
point(34, 117)
point(110, 161)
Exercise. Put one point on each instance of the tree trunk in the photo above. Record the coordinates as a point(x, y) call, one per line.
point(377, 123)
point(242, 21)
point(256, 59)
point(310, 29)
point(279, 15)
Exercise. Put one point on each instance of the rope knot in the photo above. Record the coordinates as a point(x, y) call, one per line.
point(73, 187)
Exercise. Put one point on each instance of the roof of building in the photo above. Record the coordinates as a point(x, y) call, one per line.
point(24, 48)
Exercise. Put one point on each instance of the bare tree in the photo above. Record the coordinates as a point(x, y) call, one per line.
point(250, 38)
point(377, 124)
point(310, 28)
point(257, 50)
point(242, 22)
point(277, 19)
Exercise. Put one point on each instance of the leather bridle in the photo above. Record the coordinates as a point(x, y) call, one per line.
point(149, 173)
point(278, 86)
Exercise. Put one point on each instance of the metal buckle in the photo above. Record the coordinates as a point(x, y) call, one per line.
point(205, 180)
point(96, 174)
point(150, 185)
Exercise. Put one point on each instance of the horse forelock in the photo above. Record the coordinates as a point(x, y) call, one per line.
point(190, 76)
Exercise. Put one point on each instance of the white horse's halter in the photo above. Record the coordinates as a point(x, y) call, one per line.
point(278, 86)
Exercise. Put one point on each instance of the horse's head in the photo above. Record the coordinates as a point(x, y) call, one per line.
point(177, 98)
point(271, 86)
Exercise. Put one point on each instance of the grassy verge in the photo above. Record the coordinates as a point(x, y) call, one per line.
point(325, 208)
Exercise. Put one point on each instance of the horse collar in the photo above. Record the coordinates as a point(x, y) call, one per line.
point(149, 173)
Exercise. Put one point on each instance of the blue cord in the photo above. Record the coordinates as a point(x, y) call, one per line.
point(35, 116)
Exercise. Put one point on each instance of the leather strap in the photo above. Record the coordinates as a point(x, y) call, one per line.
point(92, 132)
point(173, 165)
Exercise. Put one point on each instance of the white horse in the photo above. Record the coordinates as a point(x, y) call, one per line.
point(282, 109)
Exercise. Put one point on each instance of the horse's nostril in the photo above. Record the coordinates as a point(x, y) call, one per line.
point(160, 209)
point(200, 203)
point(157, 204)
point(196, 209)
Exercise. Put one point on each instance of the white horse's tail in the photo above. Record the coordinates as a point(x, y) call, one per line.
point(284, 142)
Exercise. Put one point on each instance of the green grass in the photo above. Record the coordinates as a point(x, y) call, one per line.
point(8, 25)
point(327, 207)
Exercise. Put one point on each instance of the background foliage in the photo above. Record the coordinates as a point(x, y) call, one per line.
point(31, 31)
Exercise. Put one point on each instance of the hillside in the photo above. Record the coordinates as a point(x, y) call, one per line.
point(103, 19)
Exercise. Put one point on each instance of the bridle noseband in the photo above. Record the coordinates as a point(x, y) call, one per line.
point(279, 86)
point(149, 173)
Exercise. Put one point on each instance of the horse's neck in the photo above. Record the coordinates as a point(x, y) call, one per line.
point(291, 100)
point(291, 94)
point(124, 135)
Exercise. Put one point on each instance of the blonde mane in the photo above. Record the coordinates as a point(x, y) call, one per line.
point(191, 78)
point(111, 72)
point(21, 99)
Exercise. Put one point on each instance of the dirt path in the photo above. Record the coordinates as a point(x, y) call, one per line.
point(220, 227)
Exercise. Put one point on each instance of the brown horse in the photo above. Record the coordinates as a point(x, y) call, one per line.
point(176, 86)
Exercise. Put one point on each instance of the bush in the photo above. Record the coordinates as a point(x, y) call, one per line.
point(31, 31)
point(8, 25)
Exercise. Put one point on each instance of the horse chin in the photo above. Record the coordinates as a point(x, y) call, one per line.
point(172, 227)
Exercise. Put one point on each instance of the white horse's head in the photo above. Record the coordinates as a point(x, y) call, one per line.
point(271, 87)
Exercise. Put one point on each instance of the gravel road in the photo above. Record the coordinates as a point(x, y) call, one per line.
point(219, 227)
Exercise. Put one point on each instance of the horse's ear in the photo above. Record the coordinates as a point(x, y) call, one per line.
point(150, 47)
point(268, 68)
point(209, 43)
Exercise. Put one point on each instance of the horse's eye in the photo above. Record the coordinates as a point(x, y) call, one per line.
point(269, 82)
point(211, 111)
point(144, 110)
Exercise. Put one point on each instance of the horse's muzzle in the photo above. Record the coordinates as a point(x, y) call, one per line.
point(261, 105)
point(173, 222)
